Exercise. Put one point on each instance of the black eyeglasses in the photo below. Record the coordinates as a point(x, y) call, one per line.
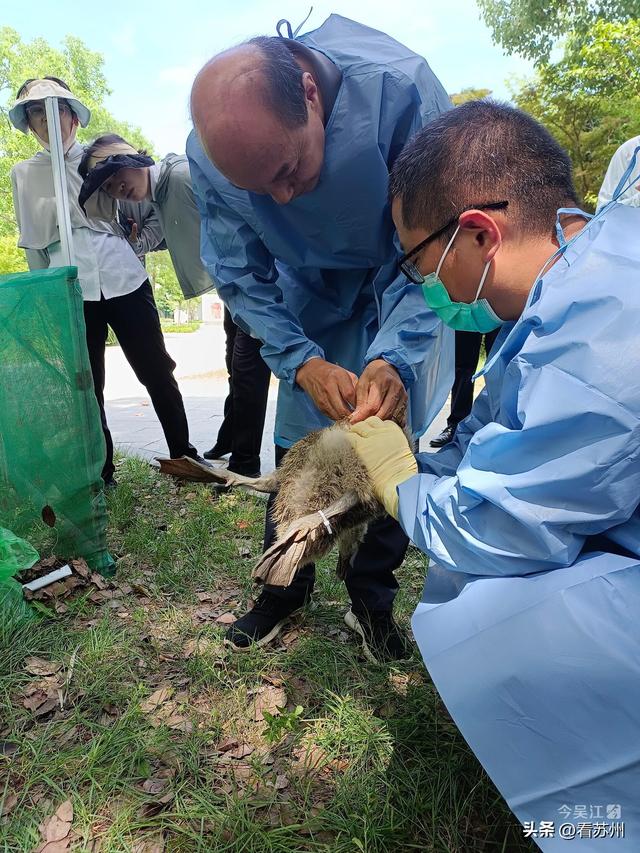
point(410, 269)
point(38, 112)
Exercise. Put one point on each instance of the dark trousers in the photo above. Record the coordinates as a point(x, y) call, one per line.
point(467, 354)
point(246, 405)
point(370, 581)
point(134, 319)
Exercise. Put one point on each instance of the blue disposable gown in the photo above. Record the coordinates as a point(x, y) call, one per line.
point(318, 276)
point(529, 621)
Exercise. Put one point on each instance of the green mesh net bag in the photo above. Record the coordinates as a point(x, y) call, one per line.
point(15, 555)
point(51, 443)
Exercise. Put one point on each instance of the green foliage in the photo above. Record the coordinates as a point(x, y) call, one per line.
point(284, 723)
point(82, 70)
point(12, 259)
point(166, 289)
point(179, 328)
point(590, 98)
point(469, 94)
point(530, 27)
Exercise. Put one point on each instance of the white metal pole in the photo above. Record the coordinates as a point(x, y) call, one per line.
point(59, 180)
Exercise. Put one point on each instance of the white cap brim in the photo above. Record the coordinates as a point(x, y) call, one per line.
point(40, 90)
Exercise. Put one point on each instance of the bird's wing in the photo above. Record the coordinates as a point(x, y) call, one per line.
point(304, 541)
point(190, 469)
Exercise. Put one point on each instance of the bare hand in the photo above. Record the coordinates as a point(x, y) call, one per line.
point(133, 236)
point(331, 387)
point(379, 392)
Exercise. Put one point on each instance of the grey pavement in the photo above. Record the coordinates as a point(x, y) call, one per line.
point(202, 377)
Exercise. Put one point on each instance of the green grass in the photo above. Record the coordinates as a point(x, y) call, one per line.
point(167, 326)
point(170, 326)
point(372, 762)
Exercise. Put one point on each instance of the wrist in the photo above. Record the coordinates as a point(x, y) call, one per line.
point(300, 370)
point(389, 497)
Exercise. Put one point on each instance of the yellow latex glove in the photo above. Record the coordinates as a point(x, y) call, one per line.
point(385, 453)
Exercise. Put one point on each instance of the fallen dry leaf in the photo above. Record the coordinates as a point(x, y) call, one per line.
point(241, 751)
point(265, 757)
point(226, 619)
point(7, 748)
point(196, 646)
point(300, 690)
point(41, 701)
point(154, 807)
point(179, 723)
point(154, 786)
point(241, 772)
point(165, 773)
point(270, 699)
point(204, 596)
point(150, 845)
point(64, 812)
point(56, 829)
point(40, 666)
point(8, 804)
point(56, 846)
point(80, 567)
point(291, 636)
point(205, 613)
point(401, 681)
point(68, 736)
point(167, 711)
point(309, 757)
point(99, 581)
point(157, 698)
point(281, 782)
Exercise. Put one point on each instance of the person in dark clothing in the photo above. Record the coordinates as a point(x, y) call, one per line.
point(467, 354)
point(290, 155)
point(245, 407)
point(136, 324)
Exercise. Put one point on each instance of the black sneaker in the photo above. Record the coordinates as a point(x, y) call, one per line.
point(217, 453)
point(382, 639)
point(110, 484)
point(262, 623)
point(445, 437)
point(202, 461)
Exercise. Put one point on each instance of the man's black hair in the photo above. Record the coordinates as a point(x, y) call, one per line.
point(283, 81)
point(477, 153)
point(57, 80)
point(98, 142)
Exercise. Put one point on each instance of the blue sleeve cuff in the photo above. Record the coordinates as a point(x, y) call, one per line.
point(405, 370)
point(286, 366)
